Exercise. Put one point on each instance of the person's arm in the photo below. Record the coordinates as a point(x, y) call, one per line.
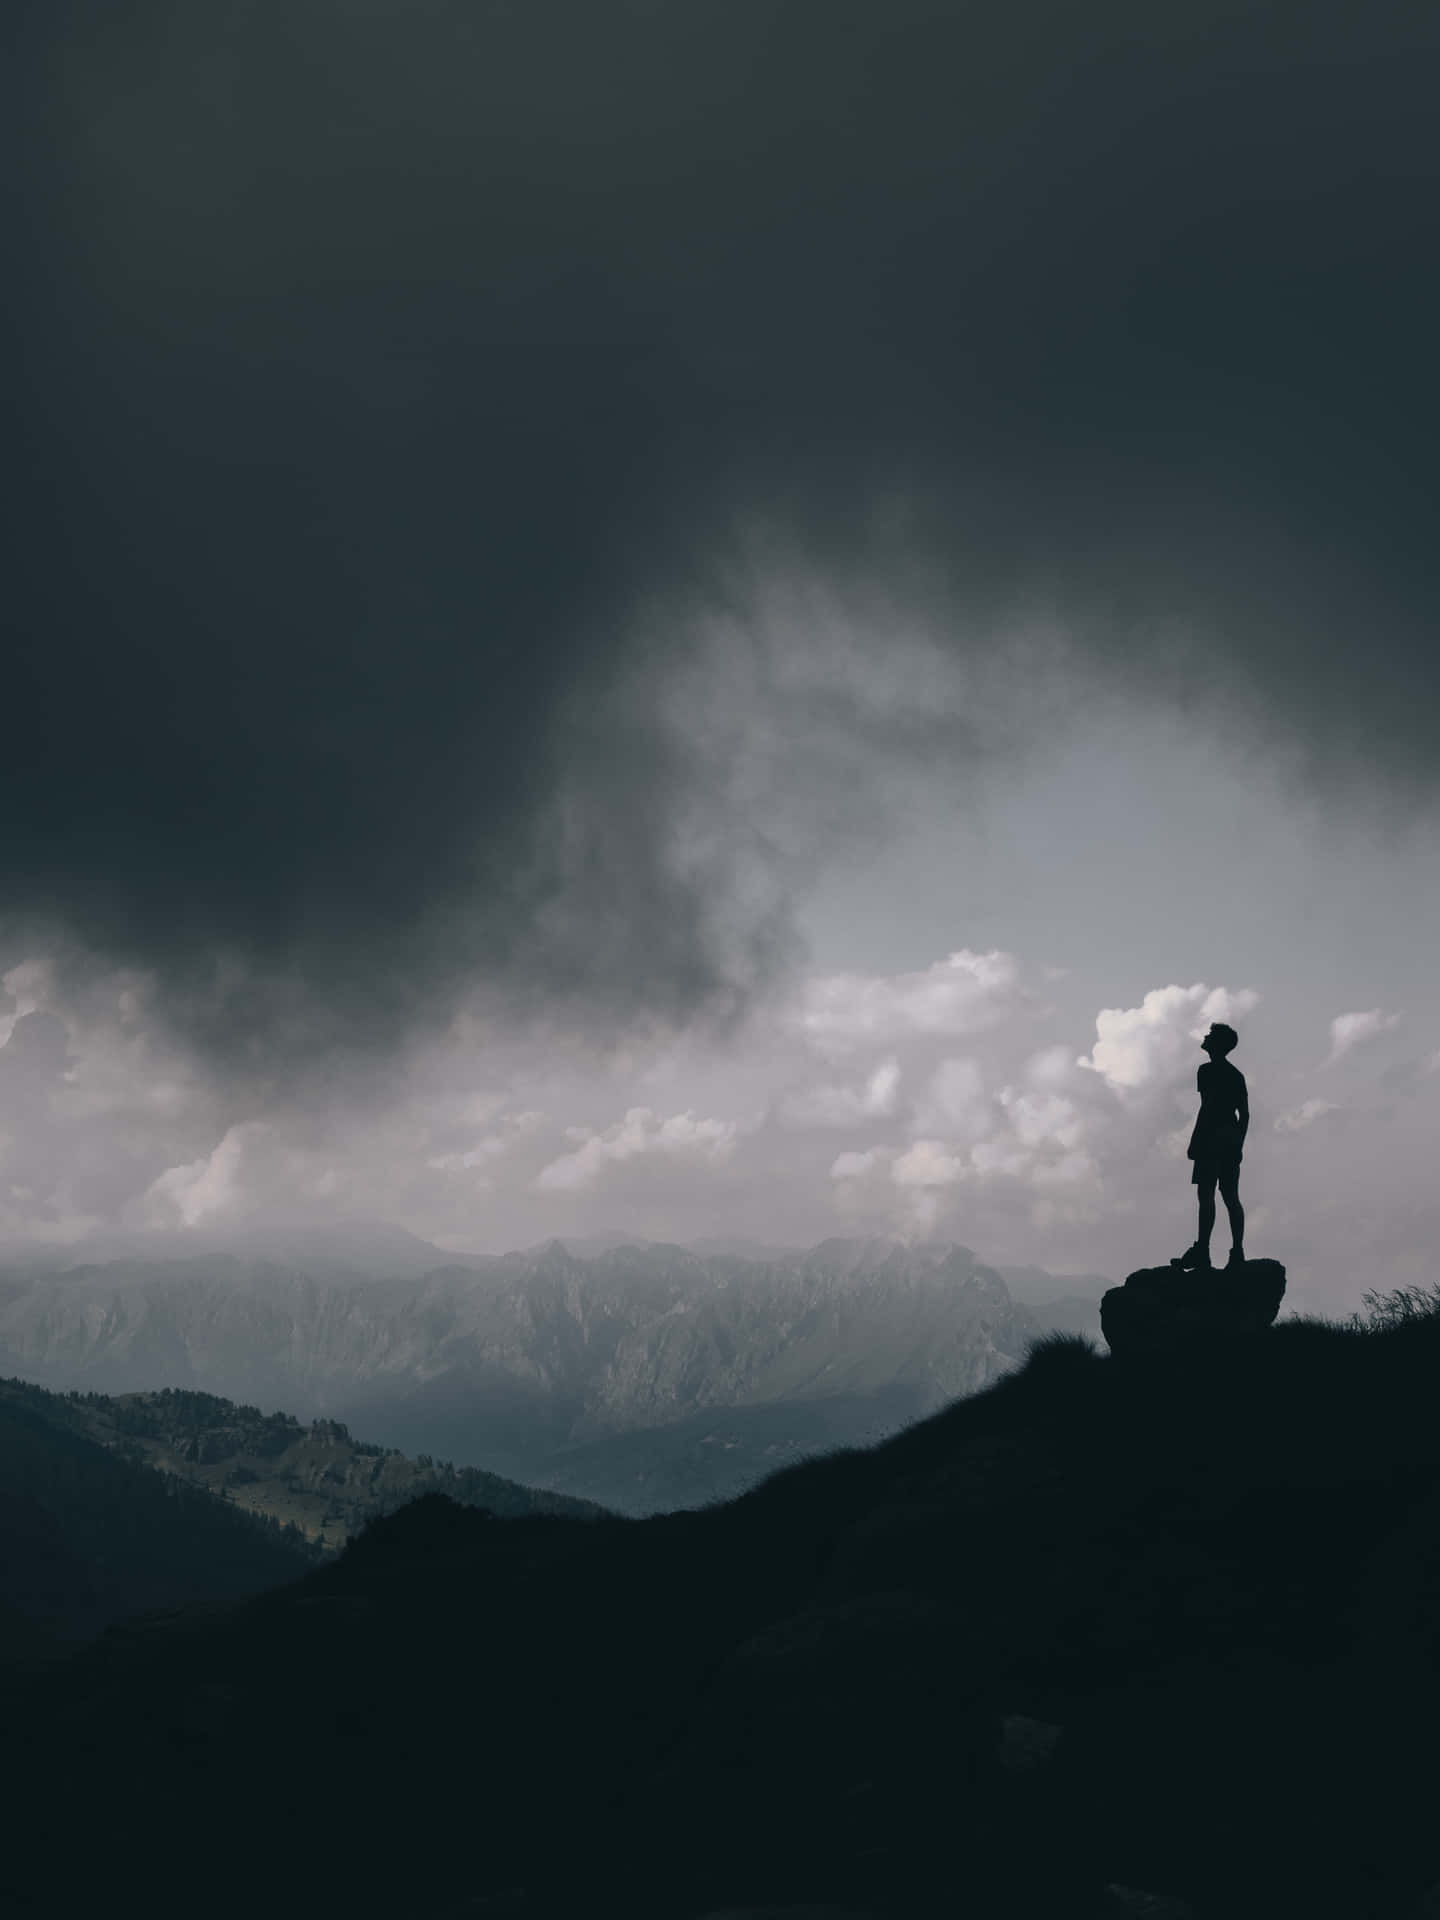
point(1195, 1130)
point(1242, 1106)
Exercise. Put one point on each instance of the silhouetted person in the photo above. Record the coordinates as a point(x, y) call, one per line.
point(1215, 1146)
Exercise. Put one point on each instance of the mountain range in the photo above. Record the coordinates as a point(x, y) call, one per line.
point(643, 1376)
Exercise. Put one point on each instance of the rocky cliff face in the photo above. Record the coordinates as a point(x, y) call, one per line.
point(631, 1338)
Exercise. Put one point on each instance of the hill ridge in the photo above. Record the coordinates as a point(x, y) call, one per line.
point(311, 1477)
point(1164, 1625)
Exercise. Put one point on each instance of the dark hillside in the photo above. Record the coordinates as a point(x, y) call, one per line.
point(113, 1506)
point(1172, 1627)
point(89, 1536)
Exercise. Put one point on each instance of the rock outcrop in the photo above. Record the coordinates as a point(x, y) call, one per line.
point(1160, 1308)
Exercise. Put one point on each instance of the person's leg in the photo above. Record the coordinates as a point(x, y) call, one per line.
point(1230, 1194)
point(1205, 1190)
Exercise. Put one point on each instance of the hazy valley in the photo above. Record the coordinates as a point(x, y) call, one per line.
point(641, 1376)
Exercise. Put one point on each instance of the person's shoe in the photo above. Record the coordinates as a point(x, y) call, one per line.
point(1193, 1259)
point(1237, 1258)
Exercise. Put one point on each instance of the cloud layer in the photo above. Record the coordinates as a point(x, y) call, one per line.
point(397, 379)
point(1013, 1139)
point(1350, 1030)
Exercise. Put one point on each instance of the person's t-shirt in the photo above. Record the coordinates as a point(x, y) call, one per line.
point(1218, 1133)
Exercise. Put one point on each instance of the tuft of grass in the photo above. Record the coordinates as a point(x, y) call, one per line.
point(1398, 1307)
point(1060, 1348)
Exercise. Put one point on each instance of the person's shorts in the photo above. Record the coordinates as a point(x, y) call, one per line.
point(1214, 1168)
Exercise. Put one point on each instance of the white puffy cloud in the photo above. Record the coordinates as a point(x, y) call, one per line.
point(682, 1136)
point(1028, 1137)
point(966, 993)
point(1067, 1140)
point(1146, 1046)
point(95, 1102)
point(845, 1106)
point(1043, 1119)
point(928, 1163)
point(207, 1188)
point(1349, 1030)
point(1305, 1115)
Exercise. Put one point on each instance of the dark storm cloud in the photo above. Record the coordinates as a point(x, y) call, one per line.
point(377, 358)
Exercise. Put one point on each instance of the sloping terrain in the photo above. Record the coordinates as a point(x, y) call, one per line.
point(90, 1534)
point(1172, 1627)
point(112, 1507)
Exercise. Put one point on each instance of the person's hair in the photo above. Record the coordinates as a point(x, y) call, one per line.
point(1227, 1036)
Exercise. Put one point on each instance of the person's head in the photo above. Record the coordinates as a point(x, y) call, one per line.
point(1219, 1040)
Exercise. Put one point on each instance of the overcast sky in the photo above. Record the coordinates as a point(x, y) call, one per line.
point(724, 619)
